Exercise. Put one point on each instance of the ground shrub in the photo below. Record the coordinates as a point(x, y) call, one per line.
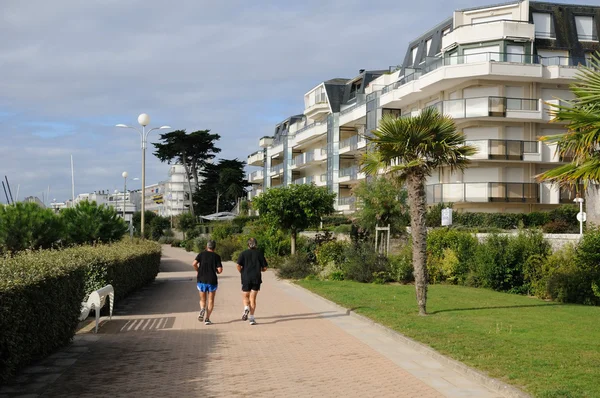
point(363, 264)
point(200, 244)
point(557, 227)
point(335, 220)
point(343, 229)
point(89, 223)
point(28, 226)
point(176, 243)
point(460, 247)
point(296, 266)
point(61, 279)
point(223, 230)
point(226, 247)
point(401, 267)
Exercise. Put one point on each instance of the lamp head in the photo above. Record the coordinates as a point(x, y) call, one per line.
point(122, 125)
point(124, 174)
point(144, 119)
point(164, 127)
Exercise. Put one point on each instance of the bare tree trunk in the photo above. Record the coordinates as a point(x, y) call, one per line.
point(592, 205)
point(293, 242)
point(418, 210)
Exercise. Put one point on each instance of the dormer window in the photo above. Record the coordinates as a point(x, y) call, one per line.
point(585, 28)
point(544, 26)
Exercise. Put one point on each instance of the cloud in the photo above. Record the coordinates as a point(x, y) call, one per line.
point(73, 69)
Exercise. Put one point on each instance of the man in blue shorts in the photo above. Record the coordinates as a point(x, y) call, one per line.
point(250, 264)
point(207, 264)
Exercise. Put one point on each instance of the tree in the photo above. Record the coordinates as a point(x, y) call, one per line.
point(28, 226)
point(191, 150)
point(89, 223)
point(294, 208)
point(186, 223)
point(158, 225)
point(382, 202)
point(582, 140)
point(409, 150)
point(222, 184)
point(148, 217)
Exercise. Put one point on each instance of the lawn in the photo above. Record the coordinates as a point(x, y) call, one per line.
point(547, 349)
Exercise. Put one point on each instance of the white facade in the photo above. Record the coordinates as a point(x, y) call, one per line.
point(492, 69)
point(171, 197)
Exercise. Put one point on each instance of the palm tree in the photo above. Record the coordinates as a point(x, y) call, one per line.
point(410, 149)
point(582, 140)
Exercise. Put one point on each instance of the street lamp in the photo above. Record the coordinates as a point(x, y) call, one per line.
point(581, 216)
point(124, 190)
point(143, 120)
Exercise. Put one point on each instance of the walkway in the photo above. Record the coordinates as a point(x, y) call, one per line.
point(302, 346)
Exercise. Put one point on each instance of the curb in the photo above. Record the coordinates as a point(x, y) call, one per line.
point(491, 383)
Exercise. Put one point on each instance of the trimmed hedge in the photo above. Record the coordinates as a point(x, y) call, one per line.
point(41, 294)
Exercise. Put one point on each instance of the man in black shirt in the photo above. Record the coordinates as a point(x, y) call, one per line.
point(207, 264)
point(250, 264)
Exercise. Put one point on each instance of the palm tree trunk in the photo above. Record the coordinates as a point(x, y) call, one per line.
point(592, 205)
point(418, 209)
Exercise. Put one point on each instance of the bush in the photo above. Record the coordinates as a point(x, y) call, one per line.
point(500, 260)
point(186, 222)
point(364, 264)
point(28, 226)
point(296, 266)
point(188, 245)
point(459, 246)
point(335, 220)
point(60, 280)
point(536, 219)
point(158, 226)
point(176, 243)
point(331, 252)
point(89, 223)
point(401, 267)
point(226, 247)
point(344, 229)
point(223, 230)
point(200, 244)
point(557, 227)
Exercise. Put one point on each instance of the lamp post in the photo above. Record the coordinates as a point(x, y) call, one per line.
point(124, 191)
point(581, 216)
point(143, 120)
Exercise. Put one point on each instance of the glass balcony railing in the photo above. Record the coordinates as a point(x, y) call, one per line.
point(432, 63)
point(351, 172)
point(256, 174)
point(346, 200)
point(503, 149)
point(277, 169)
point(484, 106)
point(351, 142)
point(484, 192)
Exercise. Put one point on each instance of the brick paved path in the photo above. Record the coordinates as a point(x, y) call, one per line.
point(302, 346)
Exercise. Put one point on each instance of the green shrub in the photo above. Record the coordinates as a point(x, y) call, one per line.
point(158, 227)
point(343, 229)
point(225, 229)
point(226, 247)
point(166, 240)
point(335, 220)
point(176, 243)
point(364, 264)
point(41, 294)
point(188, 245)
point(461, 245)
point(500, 260)
point(200, 244)
point(185, 222)
point(566, 213)
point(557, 227)
point(89, 223)
point(331, 252)
point(401, 267)
point(28, 226)
point(536, 219)
point(296, 266)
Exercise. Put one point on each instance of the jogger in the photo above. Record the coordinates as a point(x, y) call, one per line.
point(207, 265)
point(250, 264)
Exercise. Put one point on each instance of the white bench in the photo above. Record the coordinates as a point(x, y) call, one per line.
point(96, 301)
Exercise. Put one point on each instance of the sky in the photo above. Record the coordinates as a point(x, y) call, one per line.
point(70, 70)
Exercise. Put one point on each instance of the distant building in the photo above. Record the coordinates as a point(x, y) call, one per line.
point(171, 197)
point(131, 201)
point(36, 200)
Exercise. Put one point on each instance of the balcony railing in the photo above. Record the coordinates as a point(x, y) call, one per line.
point(346, 200)
point(304, 180)
point(433, 63)
point(504, 149)
point(277, 169)
point(256, 174)
point(359, 102)
point(323, 177)
point(479, 192)
point(568, 194)
point(484, 106)
point(298, 160)
point(349, 172)
point(351, 142)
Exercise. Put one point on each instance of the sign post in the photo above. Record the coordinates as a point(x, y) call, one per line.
point(446, 217)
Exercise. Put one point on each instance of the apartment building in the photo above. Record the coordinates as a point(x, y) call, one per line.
point(171, 197)
point(493, 69)
point(129, 201)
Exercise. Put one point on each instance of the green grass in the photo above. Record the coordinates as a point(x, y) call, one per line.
point(547, 349)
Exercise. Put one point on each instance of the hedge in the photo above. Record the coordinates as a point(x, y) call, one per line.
point(41, 294)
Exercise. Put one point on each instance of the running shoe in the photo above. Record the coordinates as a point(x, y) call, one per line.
point(252, 321)
point(245, 314)
point(201, 315)
point(207, 322)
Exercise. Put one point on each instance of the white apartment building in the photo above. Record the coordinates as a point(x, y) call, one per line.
point(130, 202)
point(493, 69)
point(171, 197)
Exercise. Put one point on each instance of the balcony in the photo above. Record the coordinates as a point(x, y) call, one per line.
point(489, 31)
point(354, 112)
point(346, 203)
point(510, 108)
point(256, 159)
point(304, 180)
point(256, 176)
point(506, 150)
point(350, 174)
point(352, 144)
point(484, 192)
point(319, 110)
point(278, 169)
point(310, 131)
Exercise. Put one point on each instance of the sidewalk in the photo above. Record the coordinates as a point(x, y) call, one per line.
point(302, 346)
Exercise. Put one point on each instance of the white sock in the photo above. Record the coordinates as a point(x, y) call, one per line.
point(251, 317)
point(246, 308)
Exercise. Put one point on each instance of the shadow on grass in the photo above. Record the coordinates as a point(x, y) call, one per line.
point(503, 307)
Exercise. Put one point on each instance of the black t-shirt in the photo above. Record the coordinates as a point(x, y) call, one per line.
point(252, 262)
point(207, 267)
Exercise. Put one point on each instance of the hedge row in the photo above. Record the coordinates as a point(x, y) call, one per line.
point(41, 294)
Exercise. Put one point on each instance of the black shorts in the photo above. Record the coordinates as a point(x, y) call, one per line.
point(247, 286)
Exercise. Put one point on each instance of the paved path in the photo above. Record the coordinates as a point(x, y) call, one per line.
point(302, 346)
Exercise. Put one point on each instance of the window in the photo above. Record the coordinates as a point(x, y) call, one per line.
point(390, 112)
point(427, 47)
point(481, 54)
point(446, 31)
point(544, 26)
point(516, 53)
point(585, 28)
point(553, 57)
point(414, 54)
